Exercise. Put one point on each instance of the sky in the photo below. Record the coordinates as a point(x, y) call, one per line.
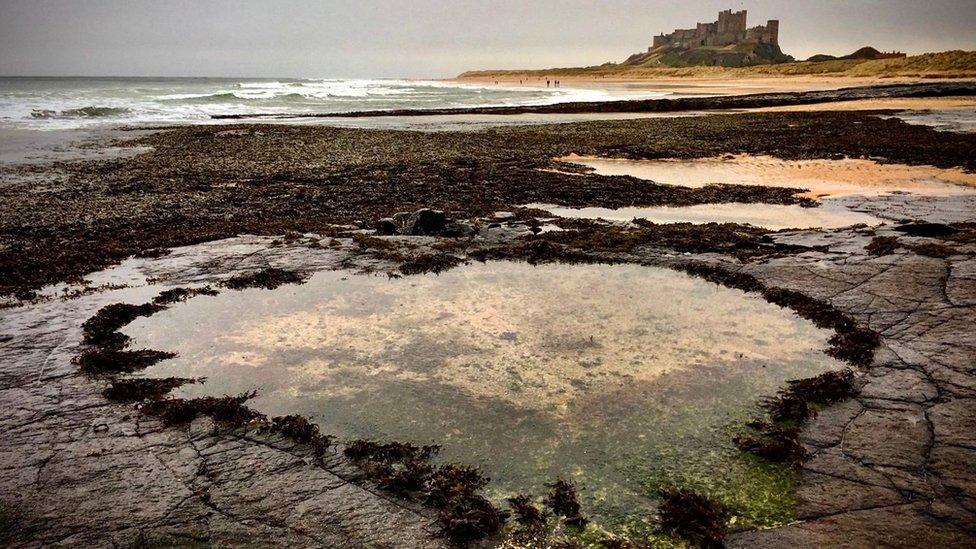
point(425, 38)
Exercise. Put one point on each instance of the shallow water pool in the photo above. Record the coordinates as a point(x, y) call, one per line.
point(621, 378)
point(829, 215)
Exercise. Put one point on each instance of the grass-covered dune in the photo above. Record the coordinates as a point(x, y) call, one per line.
point(948, 64)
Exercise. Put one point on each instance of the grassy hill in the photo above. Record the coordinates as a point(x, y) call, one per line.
point(742, 55)
point(948, 64)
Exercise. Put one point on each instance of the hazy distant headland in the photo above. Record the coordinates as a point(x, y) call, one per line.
point(729, 47)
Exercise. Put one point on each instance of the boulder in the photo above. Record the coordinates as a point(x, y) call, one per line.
point(386, 226)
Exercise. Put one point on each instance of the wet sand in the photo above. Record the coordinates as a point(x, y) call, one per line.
point(705, 85)
point(844, 177)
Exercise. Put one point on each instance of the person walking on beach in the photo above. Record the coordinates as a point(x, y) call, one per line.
point(547, 82)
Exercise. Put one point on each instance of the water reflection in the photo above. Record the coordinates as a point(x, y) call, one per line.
point(822, 177)
point(829, 215)
point(618, 377)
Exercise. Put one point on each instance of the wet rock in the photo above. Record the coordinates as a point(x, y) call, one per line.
point(426, 222)
point(899, 385)
point(954, 422)
point(927, 229)
point(386, 226)
point(897, 438)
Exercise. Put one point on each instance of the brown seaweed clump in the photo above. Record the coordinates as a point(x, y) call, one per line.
point(932, 249)
point(268, 279)
point(526, 513)
point(882, 245)
point(98, 361)
point(138, 390)
point(791, 404)
point(470, 518)
point(303, 431)
point(402, 468)
point(693, 517)
point(179, 295)
point(563, 502)
point(773, 442)
point(103, 328)
point(228, 411)
point(430, 263)
point(779, 440)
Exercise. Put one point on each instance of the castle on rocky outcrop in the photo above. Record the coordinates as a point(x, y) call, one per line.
point(730, 29)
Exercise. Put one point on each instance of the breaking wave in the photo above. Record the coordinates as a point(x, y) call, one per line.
point(83, 112)
point(70, 103)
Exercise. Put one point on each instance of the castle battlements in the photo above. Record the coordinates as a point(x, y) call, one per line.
point(730, 29)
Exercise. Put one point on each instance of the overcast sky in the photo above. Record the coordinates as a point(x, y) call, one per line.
point(425, 38)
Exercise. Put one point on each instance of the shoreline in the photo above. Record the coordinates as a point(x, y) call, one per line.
point(727, 102)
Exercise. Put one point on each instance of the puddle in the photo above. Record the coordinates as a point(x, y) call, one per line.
point(621, 378)
point(822, 177)
point(829, 215)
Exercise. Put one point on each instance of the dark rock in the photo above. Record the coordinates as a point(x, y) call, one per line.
point(386, 226)
point(426, 222)
point(927, 229)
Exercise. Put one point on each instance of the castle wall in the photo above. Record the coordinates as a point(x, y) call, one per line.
point(731, 28)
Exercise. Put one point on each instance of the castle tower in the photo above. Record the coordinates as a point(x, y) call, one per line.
point(772, 29)
point(731, 27)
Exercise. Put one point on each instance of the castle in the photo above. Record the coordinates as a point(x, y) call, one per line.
point(730, 29)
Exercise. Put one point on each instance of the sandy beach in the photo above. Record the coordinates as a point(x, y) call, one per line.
point(692, 85)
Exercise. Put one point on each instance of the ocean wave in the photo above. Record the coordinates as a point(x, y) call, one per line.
point(83, 112)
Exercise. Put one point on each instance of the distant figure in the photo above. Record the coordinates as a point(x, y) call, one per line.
point(547, 82)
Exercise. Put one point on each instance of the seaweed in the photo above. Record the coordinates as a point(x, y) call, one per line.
point(404, 469)
point(62, 234)
point(792, 403)
point(138, 390)
point(526, 513)
point(401, 468)
point(301, 430)
point(774, 443)
point(453, 481)
point(693, 517)
point(178, 295)
point(102, 329)
point(269, 279)
point(470, 518)
point(932, 249)
point(430, 263)
point(563, 502)
point(779, 440)
point(98, 361)
point(228, 411)
point(882, 245)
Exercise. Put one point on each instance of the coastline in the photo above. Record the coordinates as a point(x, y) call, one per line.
point(703, 84)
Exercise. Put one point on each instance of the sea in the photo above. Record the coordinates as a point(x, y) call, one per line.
point(66, 103)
